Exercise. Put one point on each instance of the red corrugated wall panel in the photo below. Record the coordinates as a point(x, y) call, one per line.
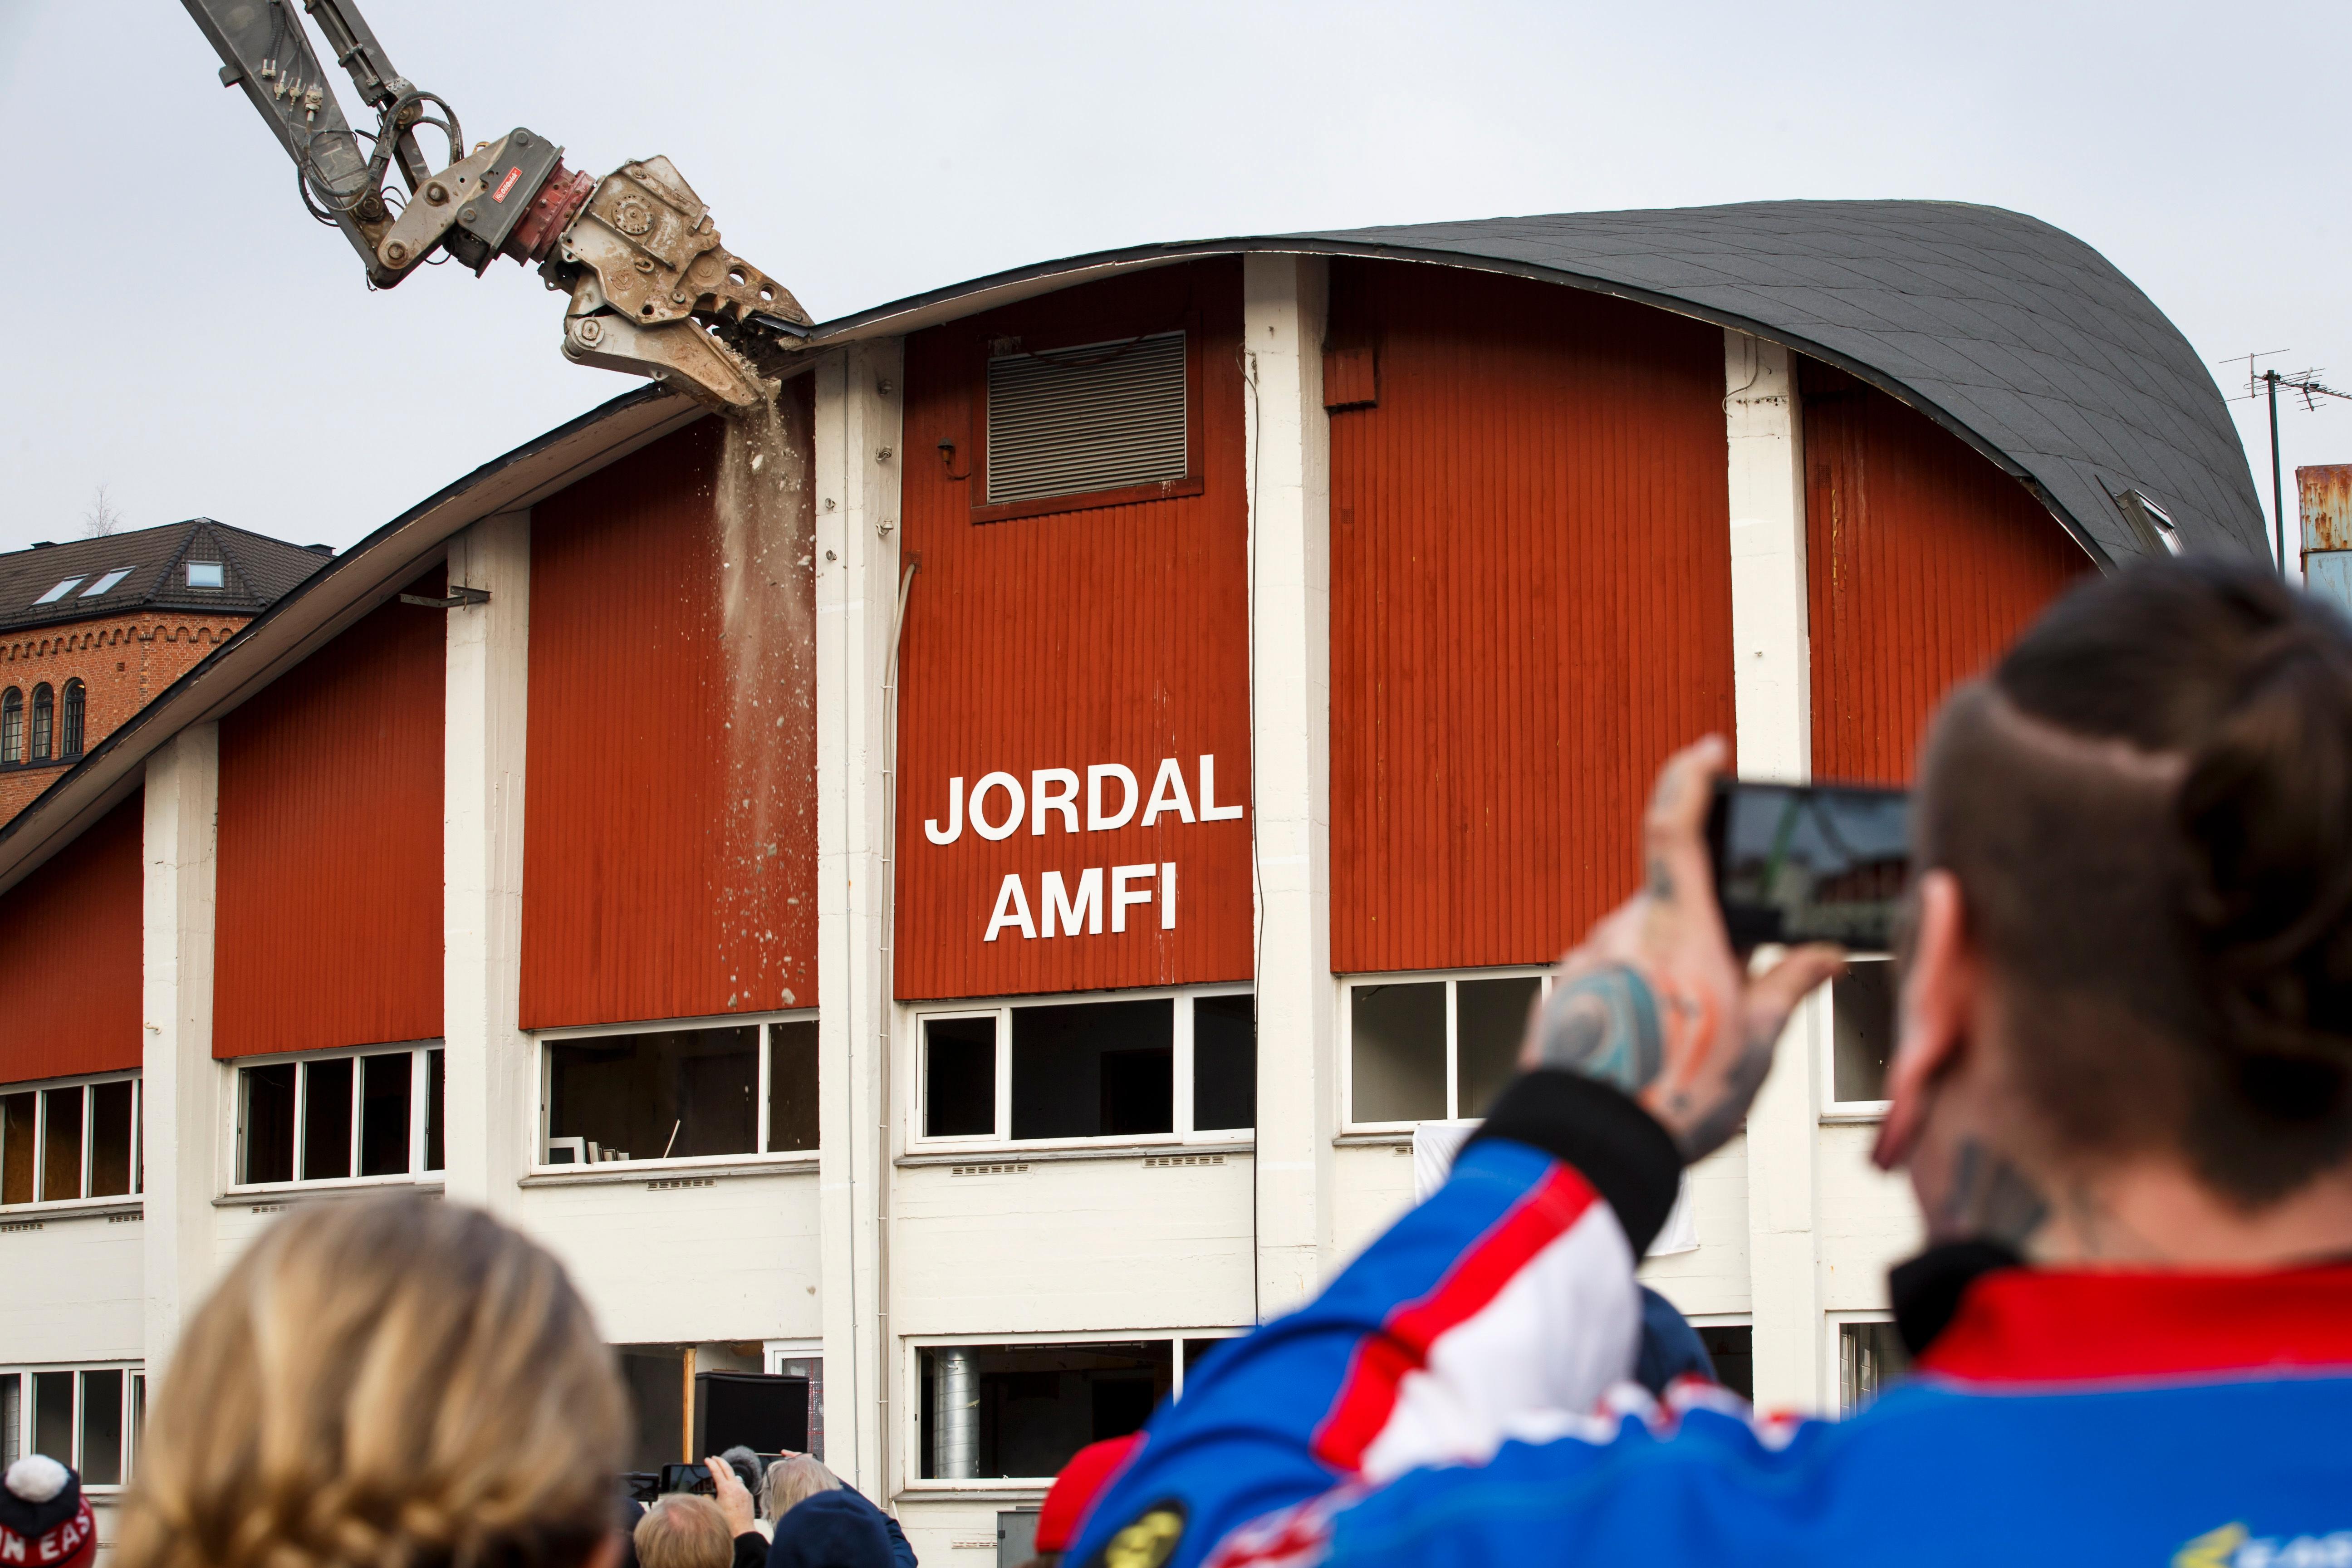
point(1531, 606)
point(669, 854)
point(330, 889)
point(1117, 635)
point(1925, 560)
point(71, 955)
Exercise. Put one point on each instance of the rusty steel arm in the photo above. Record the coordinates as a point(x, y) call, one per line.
point(652, 290)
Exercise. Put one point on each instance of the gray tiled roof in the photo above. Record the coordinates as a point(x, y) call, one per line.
point(2013, 333)
point(257, 571)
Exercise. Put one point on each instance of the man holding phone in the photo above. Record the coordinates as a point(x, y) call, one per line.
point(2122, 1094)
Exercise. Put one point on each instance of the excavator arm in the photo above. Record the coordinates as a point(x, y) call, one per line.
point(652, 290)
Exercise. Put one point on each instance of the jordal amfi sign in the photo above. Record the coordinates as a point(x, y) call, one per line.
point(1081, 901)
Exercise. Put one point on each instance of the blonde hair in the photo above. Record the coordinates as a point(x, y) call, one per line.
point(795, 1480)
point(389, 1382)
point(682, 1530)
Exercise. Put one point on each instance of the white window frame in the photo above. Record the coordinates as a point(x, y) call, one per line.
point(910, 1433)
point(1832, 1108)
point(1346, 1030)
point(419, 1085)
point(1001, 1010)
point(41, 1089)
point(1834, 1325)
point(542, 1038)
point(133, 1406)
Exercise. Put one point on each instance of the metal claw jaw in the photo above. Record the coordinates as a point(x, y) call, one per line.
point(679, 354)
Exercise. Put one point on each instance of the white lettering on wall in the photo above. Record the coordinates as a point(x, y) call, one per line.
point(1210, 810)
point(1061, 911)
point(955, 816)
point(1167, 795)
point(1054, 902)
point(1012, 788)
point(1011, 910)
point(1042, 800)
point(1097, 819)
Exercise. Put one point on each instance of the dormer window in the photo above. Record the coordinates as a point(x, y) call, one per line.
point(60, 592)
point(204, 574)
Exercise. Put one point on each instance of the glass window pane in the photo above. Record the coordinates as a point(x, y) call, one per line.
point(959, 1078)
point(61, 1144)
point(386, 1085)
point(675, 1094)
point(1862, 1021)
point(1397, 1054)
point(433, 1091)
point(53, 1394)
point(17, 1133)
point(327, 1119)
point(101, 1428)
point(1870, 1357)
point(792, 1086)
point(110, 1139)
point(267, 1132)
point(1023, 1410)
point(1490, 1019)
point(12, 1418)
point(1094, 1069)
point(1225, 1062)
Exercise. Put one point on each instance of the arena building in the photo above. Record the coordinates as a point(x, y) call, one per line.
point(943, 906)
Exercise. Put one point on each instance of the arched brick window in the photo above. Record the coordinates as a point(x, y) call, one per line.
point(12, 728)
point(45, 723)
point(70, 721)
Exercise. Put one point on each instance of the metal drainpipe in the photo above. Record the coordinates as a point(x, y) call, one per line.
point(884, 1360)
point(955, 1421)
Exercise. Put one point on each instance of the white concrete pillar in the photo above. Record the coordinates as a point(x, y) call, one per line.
point(1287, 466)
point(187, 1116)
point(857, 432)
point(490, 1079)
point(1772, 695)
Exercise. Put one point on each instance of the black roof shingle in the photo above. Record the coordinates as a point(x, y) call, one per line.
point(147, 570)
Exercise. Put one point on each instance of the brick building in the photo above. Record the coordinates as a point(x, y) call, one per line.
point(90, 631)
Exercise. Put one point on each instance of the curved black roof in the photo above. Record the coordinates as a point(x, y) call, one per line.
point(2018, 337)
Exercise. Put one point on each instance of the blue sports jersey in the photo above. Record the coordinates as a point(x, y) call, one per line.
point(1459, 1394)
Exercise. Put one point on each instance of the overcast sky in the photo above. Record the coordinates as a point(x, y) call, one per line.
point(186, 336)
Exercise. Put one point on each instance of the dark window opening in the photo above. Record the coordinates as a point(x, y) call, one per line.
point(1862, 1028)
point(1870, 1357)
point(61, 1144)
point(433, 1075)
point(990, 1411)
point(45, 717)
point(327, 1119)
point(1732, 1348)
point(1094, 1069)
point(268, 1123)
point(18, 1125)
point(1490, 1020)
point(959, 1078)
point(1225, 1062)
point(102, 1427)
point(654, 1376)
point(672, 1094)
point(53, 1396)
point(1397, 1053)
point(74, 714)
point(386, 1083)
point(1197, 1351)
point(792, 1086)
point(111, 1138)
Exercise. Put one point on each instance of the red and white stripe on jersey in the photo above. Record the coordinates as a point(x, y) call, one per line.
point(1448, 1371)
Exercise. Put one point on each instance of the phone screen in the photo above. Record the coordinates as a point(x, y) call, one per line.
point(1809, 862)
point(688, 1479)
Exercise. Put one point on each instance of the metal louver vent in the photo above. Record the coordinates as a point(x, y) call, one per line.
point(1099, 416)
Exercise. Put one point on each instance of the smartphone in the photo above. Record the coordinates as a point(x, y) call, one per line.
point(1809, 862)
point(688, 1479)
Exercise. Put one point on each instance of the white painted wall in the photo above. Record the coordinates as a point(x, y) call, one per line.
point(1714, 1279)
point(1289, 461)
point(181, 1084)
point(77, 1287)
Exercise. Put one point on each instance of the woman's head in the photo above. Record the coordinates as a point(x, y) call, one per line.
point(386, 1382)
point(2147, 812)
point(793, 1480)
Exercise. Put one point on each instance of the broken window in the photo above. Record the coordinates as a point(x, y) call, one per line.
point(71, 1141)
point(989, 1412)
point(340, 1116)
point(682, 1094)
point(1862, 1030)
point(88, 1417)
point(1435, 1049)
point(1095, 1069)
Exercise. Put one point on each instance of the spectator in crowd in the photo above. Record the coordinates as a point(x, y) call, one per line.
point(2122, 1091)
point(793, 1479)
point(684, 1530)
point(44, 1522)
point(382, 1382)
point(836, 1528)
point(745, 1464)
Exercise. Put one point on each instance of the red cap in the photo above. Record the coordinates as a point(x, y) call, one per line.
point(1074, 1492)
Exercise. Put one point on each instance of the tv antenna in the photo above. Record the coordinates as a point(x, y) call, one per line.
point(2303, 383)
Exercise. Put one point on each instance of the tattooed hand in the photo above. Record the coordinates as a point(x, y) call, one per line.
point(1655, 1001)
